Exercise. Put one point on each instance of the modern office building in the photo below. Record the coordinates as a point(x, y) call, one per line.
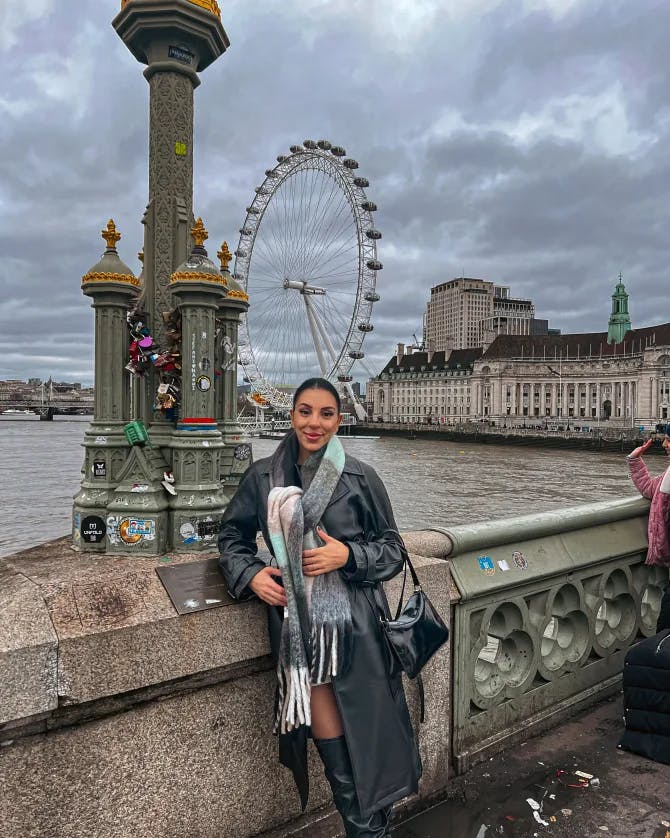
point(470, 313)
point(454, 312)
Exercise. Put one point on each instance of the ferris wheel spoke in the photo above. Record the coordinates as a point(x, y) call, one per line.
point(343, 327)
point(337, 269)
point(319, 221)
point(266, 248)
point(272, 341)
point(330, 247)
point(323, 227)
point(306, 234)
point(266, 266)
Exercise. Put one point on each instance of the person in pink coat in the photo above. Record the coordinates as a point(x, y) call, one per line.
point(657, 490)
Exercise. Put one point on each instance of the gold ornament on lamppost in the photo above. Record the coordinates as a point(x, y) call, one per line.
point(225, 256)
point(200, 235)
point(110, 235)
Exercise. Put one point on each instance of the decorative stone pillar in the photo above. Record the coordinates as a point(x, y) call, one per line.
point(111, 285)
point(196, 444)
point(236, 455)
point(176, 39)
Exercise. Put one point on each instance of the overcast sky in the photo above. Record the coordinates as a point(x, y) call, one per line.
point(526, 142)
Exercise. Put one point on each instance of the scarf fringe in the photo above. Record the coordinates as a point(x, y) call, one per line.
point(331, 651)
point(294, 690)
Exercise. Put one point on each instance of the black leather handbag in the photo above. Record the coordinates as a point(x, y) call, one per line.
point(417, 631)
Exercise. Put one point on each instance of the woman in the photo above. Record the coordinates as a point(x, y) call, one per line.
point(657, 490)
point(328, 522)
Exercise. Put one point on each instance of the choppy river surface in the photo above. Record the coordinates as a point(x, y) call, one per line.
point(430, 482)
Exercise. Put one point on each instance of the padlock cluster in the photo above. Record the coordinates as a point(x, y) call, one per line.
point(145, 353)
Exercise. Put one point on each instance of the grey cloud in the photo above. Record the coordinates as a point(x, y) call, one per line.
point(458, 191)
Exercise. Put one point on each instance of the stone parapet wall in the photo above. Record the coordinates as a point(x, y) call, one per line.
point(122, 718)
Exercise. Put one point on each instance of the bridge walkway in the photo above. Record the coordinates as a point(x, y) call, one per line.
point(629, 796)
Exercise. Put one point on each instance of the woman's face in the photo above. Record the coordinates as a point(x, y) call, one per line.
point(315, 419)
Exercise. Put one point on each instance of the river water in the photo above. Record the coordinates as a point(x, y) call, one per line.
point(431, 483)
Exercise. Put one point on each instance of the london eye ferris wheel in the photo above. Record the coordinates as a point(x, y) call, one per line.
point(307, 258)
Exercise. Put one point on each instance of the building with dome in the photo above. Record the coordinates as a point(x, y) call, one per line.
point(619, 378)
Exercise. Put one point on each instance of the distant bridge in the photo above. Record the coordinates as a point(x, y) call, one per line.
point(48, 408)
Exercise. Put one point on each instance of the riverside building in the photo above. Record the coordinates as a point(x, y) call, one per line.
point(619, 379)
point(469, 313)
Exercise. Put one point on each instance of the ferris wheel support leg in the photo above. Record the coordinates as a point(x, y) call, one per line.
point(361, 415)
point(311, 317)
point(324, 337)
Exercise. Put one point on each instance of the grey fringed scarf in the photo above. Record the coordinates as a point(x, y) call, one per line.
point(316, 632)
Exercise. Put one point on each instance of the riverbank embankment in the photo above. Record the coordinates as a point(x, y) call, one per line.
point(608, 440)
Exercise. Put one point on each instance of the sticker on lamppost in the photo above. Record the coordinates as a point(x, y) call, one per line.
point(242, 452)
point(99, 468)
point(133, 530)
point(182, 54)
point(92, 529)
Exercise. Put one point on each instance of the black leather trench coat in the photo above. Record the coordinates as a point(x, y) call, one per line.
point(378, 731)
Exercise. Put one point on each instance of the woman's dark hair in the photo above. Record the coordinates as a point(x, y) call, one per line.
point(317, 384)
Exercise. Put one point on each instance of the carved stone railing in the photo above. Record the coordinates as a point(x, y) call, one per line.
point(550, 603)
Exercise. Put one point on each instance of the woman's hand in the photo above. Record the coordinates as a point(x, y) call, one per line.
point(332, 556)
point(640, 450)
point(265, 587)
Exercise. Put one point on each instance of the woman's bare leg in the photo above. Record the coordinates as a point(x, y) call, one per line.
point(326, 721)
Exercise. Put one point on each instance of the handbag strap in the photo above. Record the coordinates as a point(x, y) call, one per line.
point(415, 581)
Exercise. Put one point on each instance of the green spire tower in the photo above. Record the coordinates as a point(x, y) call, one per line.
point(619, 322)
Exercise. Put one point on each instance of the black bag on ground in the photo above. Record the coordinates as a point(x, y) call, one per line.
point(646, 697)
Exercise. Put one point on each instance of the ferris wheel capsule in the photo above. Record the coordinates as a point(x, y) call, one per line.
point(241, 253)
point(296, 148)
point(369, 206)
point(365, 327)
point(363, 182)
point(338, 151)
point(245, 231)
point(309, 144)
point(373, 234)
point(344, 378)
point(350, 164)
point(281, 158)
point(374, 264)
point(372, 297)
point(253, 210)
point(324, 145)
point(356, 356)
point(271, 173)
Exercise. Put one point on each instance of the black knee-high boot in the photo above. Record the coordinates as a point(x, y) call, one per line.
point(336, 761)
